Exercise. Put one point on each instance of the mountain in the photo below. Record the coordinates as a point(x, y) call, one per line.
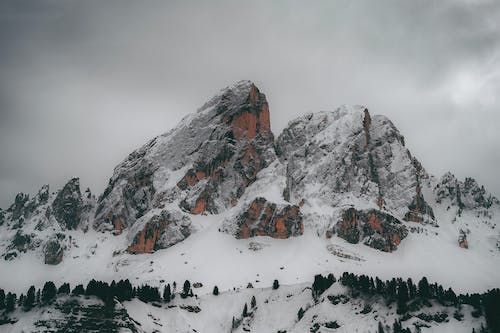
point(219, 199)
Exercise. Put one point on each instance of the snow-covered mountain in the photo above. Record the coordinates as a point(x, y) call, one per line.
point(220, 200)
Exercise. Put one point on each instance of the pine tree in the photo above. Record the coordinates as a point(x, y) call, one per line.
point(402, 298)
point(253, 303)
point(380, 327)
point(64, 289)
point(186, 289)
point(49, 291)
point(10, 302)
point(167, 294)
point(216, 291)
point(300, 314)
point(78, 290)
point(38, 296)
point(2, 299)
point(20, 301)
point(423, 288)
point(30, 298)
point(276, 284)
point(245, 311)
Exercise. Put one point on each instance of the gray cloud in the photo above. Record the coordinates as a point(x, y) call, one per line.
point(85, 82)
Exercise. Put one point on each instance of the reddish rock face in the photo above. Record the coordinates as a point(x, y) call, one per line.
point(249, 134)
point(263, 218)
point(144, 242)
point(159, 232)
point(377, 229)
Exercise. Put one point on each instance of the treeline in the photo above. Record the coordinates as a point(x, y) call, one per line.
point(406, 293)
point(107, 292)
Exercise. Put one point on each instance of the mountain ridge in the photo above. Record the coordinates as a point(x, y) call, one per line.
point(343, 179)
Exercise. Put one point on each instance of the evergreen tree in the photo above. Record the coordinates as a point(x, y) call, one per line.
point(20, 301)
point(123, 290)
point(49, 291)
point(64, 289)
point(402, 298)
point(276, 284)
point(216, 291)
point(253, 303)
point(380, 327)
point(423, 288)
point(38, 296)
point(245, 311)
point(2, 299)
point(78, 290)
point(10, 302)
point(29, 301)
point(186, 289)
point(167, 294)
point(300, 314)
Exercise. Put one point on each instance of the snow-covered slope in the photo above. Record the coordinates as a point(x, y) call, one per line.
point(217, 199)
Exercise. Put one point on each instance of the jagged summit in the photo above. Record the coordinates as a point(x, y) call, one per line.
point(344, 176)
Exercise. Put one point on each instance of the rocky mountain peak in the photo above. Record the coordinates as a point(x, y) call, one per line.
point(68, 204)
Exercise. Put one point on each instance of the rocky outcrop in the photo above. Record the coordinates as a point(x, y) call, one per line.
point(239, 155)
point(467, 194)
point(462, 240)
point(21, 242)
point(346, 153)
point(419, 210)
point(374, 228)
point(53, 251)
point(17, 209)
point(159, 231)
point(2, 217)
point(68, 204)
point(264, 218)
point(203, 165)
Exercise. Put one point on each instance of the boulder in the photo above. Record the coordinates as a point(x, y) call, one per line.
point(374, 228)
point(53, 252)
point(264, 218)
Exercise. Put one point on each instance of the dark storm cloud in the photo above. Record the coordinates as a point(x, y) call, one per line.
point(85, 82)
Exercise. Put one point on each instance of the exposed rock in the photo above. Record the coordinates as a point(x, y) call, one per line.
point(263, 218)
point(159, 231)
point(21, 242)
point(419, 210)
point(203, 165)
point(332, 156)
point(375, 228)
point(67, 206)
point(17, 208)
point(462, 240)
point(237, 157)
point(464, 195)
point(53, 251)
point(2, 217)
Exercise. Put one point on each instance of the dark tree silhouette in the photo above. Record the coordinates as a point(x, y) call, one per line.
point(29, 301)
point(276, 284)
point(49, 291)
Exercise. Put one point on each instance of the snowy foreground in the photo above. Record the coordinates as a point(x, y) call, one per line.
point(216, 258)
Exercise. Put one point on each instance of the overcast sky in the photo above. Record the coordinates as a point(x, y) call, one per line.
point(83, 83)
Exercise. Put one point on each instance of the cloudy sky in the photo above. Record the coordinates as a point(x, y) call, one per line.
point(83, 83)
